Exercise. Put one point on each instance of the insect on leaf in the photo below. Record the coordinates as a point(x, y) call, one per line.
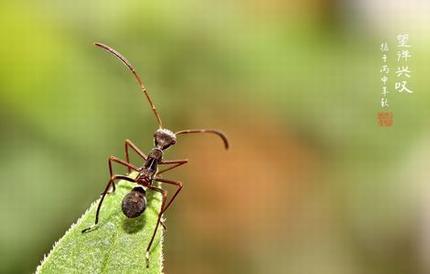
point(117, 245)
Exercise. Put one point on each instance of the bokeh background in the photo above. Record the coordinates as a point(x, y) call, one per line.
point(311, 184)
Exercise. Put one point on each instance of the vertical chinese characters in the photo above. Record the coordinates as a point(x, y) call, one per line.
point(385, 70)
point(403, 72)
point(385, 118)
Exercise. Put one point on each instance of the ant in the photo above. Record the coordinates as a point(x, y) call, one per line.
point(134, 203)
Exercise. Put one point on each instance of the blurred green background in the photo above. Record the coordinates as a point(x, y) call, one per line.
point(311, 184)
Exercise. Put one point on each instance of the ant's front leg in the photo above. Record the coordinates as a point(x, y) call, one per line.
point(110, 182)
point(175, 163)
point(129, 144)
point(113, 159)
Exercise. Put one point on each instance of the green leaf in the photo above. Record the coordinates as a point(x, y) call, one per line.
point(117, 245)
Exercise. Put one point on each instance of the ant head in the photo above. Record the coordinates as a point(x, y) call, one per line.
point(164, 138)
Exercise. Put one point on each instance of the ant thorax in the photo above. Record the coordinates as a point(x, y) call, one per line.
point(151, 163)
point(156, 154)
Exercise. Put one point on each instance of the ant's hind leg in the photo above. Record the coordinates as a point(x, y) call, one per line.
point(164, 193)
point(111, 182)
point(163, 225)
point(179, 186)
point(171, 182)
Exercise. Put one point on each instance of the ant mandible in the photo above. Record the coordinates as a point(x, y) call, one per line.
point(134, 203)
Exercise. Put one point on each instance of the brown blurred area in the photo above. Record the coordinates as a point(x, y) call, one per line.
point(234, 200)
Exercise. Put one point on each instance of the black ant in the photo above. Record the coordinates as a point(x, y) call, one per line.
point(134, 203)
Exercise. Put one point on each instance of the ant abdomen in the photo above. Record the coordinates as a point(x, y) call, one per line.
point(134, 203)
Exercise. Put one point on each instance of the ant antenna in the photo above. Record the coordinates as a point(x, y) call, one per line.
point(136, 75)
point(219, 133)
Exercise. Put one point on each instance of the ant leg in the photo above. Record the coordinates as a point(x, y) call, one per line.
point(163, 225)
point(129, 144)
point(164, 193)
point(111, 181)
point(170, 182)
point(176, 183)
point(121, 162)
point(175, 162)
point(179, 184)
